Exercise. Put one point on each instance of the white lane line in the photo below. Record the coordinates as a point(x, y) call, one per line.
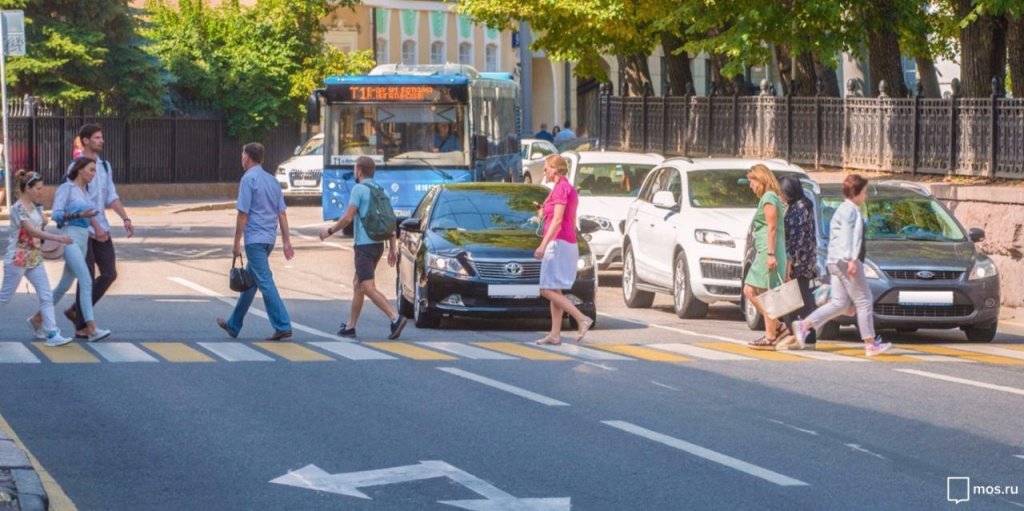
point(466, 351)
point(1021, 456)
point(523, 393)
point(858, 448)
point(573, 350)
point(676, 330)
point(698, 352)
point(708, 454)
point(600, 366)
point(328, 243)
point(963, 381)
point(989, 350)
point(352, 351)
point(662, 385)
point(16, 353)
point(235, 352)
point(802, 430)
point(121, 352)
point(253, 310)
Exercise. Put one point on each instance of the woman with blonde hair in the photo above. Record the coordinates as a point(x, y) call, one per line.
point(559, 251)
point(770, 244)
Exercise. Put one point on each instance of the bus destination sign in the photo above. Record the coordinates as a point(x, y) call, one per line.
point(394, 93)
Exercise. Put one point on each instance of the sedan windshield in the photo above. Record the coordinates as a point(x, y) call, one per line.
point(724, 188)
point(900, 218)
point(611, 179)
point(488, 209)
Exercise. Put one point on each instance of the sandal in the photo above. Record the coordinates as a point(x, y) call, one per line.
point(548, 341)
point(763, 344)
point(584, 328)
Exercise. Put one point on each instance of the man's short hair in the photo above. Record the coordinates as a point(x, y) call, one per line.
point(88, 130)
point(568, 123)
point(366, 165)
point(543, 126)
point(255, 151)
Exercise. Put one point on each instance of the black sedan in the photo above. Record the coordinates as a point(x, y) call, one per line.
point(468, 250)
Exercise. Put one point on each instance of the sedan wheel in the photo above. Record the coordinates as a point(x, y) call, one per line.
point(422, 318)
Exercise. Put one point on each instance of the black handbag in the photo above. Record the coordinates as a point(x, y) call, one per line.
point(239, 278)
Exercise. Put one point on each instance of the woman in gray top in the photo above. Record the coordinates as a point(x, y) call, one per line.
point(846, 251)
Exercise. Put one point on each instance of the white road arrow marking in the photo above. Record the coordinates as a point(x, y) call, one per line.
point(313, 478)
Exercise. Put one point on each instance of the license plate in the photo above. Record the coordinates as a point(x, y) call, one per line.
point(514, 291)
point(926, 298)
point(403, 212)
point(306, 182)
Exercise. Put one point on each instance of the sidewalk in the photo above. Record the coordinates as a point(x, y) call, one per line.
point(155, 207)
point(21, 488)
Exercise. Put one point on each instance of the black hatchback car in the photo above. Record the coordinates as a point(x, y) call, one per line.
point(468, 250)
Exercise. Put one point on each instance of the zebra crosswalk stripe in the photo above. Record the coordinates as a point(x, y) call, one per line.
point(235, 352)
point(467, 351)
point(698, 352)
point(16, 353)
point(573, 350)
point(352, 351)
point(121, 352)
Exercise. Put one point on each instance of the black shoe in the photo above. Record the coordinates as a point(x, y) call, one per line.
point(396, 327)
point(345, 331)
point(224, 326)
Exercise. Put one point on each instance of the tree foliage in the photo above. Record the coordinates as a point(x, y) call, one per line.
point(255, 64)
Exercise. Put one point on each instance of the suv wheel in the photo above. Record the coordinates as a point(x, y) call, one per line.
point(422, 318)
point(634, 298)
point(527, 178)
point(686, 305)
point(982, 333)
point(751, 315)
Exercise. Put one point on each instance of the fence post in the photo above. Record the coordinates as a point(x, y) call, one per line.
point(33, 161)
point(789, 121)
point(993, 150)
point(174, 147)
point(622, 119)
point(955, 92)
point(918, 92)
point(645, 115)
point(127, 163)
point(819, 89)
point(606, 135)
point(687, 96)
point(711, 116)
point(883, 94)
point(664, 124)
point(736, 121)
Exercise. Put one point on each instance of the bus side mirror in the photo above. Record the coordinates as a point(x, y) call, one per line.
point(313, 109)
point(481, 147)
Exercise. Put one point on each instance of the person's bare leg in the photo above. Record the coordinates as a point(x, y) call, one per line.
point(556, 322)
point(357, 304)
point(557, 298)
point(370, 290)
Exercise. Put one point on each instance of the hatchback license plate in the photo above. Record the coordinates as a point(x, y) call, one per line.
point(926, 298)
point(513, 291)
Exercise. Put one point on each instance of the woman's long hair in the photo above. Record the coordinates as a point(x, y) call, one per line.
point(767, 179)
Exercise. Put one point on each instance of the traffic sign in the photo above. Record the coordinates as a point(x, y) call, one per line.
point(14, 33)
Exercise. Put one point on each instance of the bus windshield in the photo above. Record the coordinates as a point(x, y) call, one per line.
point(410, 134)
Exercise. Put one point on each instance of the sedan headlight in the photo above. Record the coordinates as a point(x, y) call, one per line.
point(585, 263)
point(714, 237)
point(446, 264)
point(983, 269)
point(604, 223)
point(870, 272)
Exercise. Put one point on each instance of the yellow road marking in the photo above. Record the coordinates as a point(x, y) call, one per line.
point(293, 352)
point(511, 348)
point(859, 352)
point(1019, 347)
point(59, 500)
point(410, 351)
point(743, 350)
point(67, 354)
point(176, 352)
point(642, 352)
point(968, 355)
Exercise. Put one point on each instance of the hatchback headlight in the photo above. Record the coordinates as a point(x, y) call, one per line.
point(983, 269)
point(870, 272)
point(585, 263)
point(714, 237)
point(604, 223)
point(446, 264)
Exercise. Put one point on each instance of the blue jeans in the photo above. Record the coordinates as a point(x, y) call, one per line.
point(259, 266)
point(75, 267)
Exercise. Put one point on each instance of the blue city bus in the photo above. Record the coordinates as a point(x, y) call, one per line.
point(423, 126)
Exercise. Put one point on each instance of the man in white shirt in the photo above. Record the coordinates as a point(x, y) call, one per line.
point(101, 247)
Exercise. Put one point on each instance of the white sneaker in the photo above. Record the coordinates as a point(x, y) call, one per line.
point(99, 335)
point(38, 331)
point(799, 333)
point(55, 339)
point(877, 348)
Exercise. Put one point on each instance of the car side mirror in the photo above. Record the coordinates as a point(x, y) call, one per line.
point(588, 226)
point(976, 235)
point(298, 148)
point(411, 225)
point(664, 200)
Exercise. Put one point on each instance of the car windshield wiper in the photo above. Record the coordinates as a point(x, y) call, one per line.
point(440, 228)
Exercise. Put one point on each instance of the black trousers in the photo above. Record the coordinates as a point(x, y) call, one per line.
point(100, 254)
point(806, 310)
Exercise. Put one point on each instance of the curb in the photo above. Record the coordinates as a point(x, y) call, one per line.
point(215, 206)
point(29, 493)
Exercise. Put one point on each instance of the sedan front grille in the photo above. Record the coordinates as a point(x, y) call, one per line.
point(924, 311)
point(721, 270)
point(924, 274)
point(508, 270)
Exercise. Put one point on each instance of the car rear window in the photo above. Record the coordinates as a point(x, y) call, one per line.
point(510, 208)
point(611, 179)
point(727, 188)
point(899, 218)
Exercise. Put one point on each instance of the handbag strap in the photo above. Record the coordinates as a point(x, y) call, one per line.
point(236, 258)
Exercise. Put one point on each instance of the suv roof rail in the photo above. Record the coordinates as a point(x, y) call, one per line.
point(911, 185)
point(687, 159)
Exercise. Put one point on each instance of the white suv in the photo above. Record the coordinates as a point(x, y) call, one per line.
point(685, 235)
point(300, 175)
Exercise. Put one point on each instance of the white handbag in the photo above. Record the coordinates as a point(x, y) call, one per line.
point(782, 300)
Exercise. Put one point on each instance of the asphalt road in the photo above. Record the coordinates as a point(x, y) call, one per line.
point(663, 414)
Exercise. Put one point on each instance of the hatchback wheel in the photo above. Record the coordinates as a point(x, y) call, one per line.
point(982, 333)
point(421, 317)
point(686, 305)
point(634, 298)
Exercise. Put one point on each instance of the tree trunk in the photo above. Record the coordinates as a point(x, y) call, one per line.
point(723, 86)
point(885, 63)
point(677, 63)
point(983, 56)
point(829, 80)
point(785, 63)
point(805, 75)
point(1015, 54)
point(637, 73)
point(929, 77)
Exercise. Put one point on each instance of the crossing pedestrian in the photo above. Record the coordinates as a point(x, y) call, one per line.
point(261, 209)
point(23, 258)
point(100, 251)
point(801, 253)
point(558, 250)
point(770, 242)
point(368, 252)
point(75, 213)
point(849, 285)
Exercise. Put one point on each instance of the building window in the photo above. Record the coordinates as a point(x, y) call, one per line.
point(437, 55)
point(466, 54)
point(409, 53)
point(383, 57)
point(909, 74)
point(491, 58)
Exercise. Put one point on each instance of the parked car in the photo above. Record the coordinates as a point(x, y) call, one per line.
point(685, 233)
point(300, 175)
point(468, 250)
point(608, 182)
point(534, 151)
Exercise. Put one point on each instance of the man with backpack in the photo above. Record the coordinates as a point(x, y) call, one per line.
point(369, 209)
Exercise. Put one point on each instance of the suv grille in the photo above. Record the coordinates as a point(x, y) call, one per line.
point(924, 311)
point(496, 270)
point(721, 270)
point(913, 274)
point(306, 175)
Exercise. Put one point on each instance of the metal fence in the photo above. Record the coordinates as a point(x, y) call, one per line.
point(183, 149)
point(955, 136)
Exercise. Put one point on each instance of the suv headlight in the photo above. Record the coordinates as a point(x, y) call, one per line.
point(714, 237)
point(604, 223)
point(281, 171)
point(585, 263)
point(983, 269)
point(446, 264)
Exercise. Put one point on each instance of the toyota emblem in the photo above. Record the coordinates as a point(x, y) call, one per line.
point(925, 275)
point(513, 269)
